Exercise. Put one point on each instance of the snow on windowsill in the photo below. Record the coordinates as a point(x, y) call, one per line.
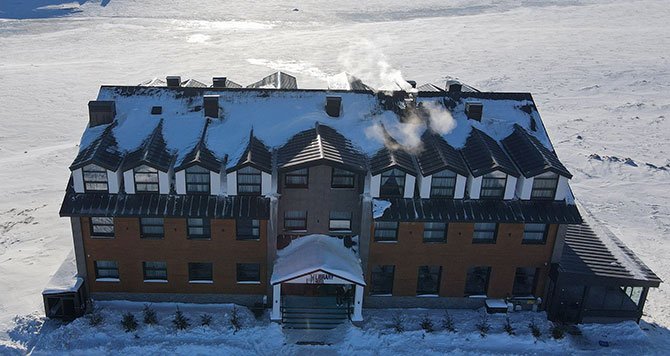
point(381, 295)
point(249, 282)
point(155, 281)
point(478, 296)
point(387, 242)
point(103, 237)
point(427, 296)
point(201, 282)
point(107, 280)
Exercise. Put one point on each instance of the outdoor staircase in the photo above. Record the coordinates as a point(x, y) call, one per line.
point(313, 314)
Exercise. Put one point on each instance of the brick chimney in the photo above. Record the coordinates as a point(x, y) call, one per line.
point(100, 112)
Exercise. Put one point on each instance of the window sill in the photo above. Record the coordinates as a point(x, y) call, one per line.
point(530, 242)
point(289, 232)
point(151, 237)
point(482, 242)
point(427, 295)
point(253, 239)
point(248, 282)
point(199, 238)
point(200, 282)
point(98, 237)
point(388, 242)
point(477, 296)
point(155, 281)
point(382, 295)
point(435, 242)
point(107, 280)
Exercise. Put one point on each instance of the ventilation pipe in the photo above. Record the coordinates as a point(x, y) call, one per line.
point(211, 105)
point(101, 112)
point(474, 110)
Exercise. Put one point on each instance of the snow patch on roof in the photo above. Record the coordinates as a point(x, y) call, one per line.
point(379, 207)
point(65, 279)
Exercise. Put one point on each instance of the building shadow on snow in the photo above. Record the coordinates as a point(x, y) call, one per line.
point(42, 9)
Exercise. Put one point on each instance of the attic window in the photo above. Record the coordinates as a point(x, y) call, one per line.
point(333, 106)
point(474, 110)
point(156, 110)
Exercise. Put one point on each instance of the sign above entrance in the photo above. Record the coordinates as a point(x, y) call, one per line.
point(318, 277)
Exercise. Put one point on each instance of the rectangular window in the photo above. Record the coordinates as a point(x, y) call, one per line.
point(198, 228)
point(477, 280)
point(386, 231)
point(340, 221)
point(248, 229)
point(535, 234)
point(197, 180)
point(200, 272)
point(146, 179)
point(248, 272)
point(428, 282)
point(485, 233)
point(525, 280)
point(443, 184)
point(295, 220)
point(544, 186)
point(434, 232)
point(392, 183)
point(343, 179)
point(106, 269)
point(493, 185)
point(151, 227)
point(102, 226)
point(248, 181)
point(382, 280)
point(155, 271)
point(297, 179)
point(95, 178)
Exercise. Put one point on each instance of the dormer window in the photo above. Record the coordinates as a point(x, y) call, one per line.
point(146, 179)
point(297, 179)
point(95, 178)
point(443, 184)
point(248, 181)
point(197, 180)
point(392, 183)
point(493, 185)
point(544, 186)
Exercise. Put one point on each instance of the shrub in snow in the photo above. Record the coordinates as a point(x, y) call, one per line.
point(95, 317)
point(427, 324)
point(507, 326)
point(557, 332)
point(448, 322)
point(180, 321)
point(397, 323)
point(235, 319)
point(149, 315)
point(483, 325)
point(534, 329)
point(205, 319)
point(129, 323)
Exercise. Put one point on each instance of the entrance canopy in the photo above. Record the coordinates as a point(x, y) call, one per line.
point(317, 259)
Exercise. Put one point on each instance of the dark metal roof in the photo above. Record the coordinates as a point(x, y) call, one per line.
point(102, 152)
point(153, 152)
point(201, 155)
point(255, 154)
point(438, 155)
point(322, 143)
point(164, 205)
point(531, 156)
point(500, 211)
point(429, 88)
point(277, 80)
point(192, 83)
point(484, 155)
point(388, 158)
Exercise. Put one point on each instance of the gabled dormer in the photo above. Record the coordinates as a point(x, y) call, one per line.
point(147, 169)
point(96, 167)
point(199, 172)
point(251, 173)
point(393, 173)
point(544, 177)
point(443, 170)
point(493, 174)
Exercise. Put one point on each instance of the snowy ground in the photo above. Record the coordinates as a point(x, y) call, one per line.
point(599, 71)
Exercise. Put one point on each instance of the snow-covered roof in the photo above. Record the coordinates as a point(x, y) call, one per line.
point(65, 279)
point(313, 253)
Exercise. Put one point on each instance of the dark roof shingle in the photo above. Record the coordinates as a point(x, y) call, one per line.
point(531, 156)
point(153, 152)
point(438, 155)
point(484, 155)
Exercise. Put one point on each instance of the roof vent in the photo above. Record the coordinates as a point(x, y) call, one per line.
point(101, 112)
point(412, 83)
point(173, 81)
point(156, 110)
point(474, 110)
point(211, 104)
point(333, 106)
point(454, 87)
point(219, 82)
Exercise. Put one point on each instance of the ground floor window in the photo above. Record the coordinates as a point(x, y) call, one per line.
point(102, 226)
point(248, 272)
point(200, 271)
point(382, 280)
point(248, 229)
point(535, 234)
point(295, 220)
point(386, 231)
point(340, 221)
point(106, 269)
point(613, 298)
point(155, 271)
point(477, 280)
point(198, 228)
point(525, 281)
point(485, 233)
point(152, 228)
point(434, 232)
point(428, 282)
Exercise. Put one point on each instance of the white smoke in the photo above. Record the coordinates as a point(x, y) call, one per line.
point(365, 60)
point(439, 117)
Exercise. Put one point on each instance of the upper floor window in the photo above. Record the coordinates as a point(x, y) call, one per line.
point(525, 280)
point(386, 231)
point(146, 179)
point(248, 181)
point(535, 233)
point(428, 282)
point(248, 229)
point(154, 271)
point(295, 220)
point(106, 269)
point(102, 226)
point(485, 233)
point(382, 280)
point(443, 184)
point(200, 272)
point(493, 185)
point(343, 178)
point(296, 179)
point(198, 228)
point(95, 178)
point(477, 280)
point(544, 186)
point(340, 221)
point(392, 183)
point(151, 227)
point(197, 180)
point(434, 232)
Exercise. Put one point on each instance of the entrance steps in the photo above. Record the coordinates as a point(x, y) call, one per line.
point(313, 313)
